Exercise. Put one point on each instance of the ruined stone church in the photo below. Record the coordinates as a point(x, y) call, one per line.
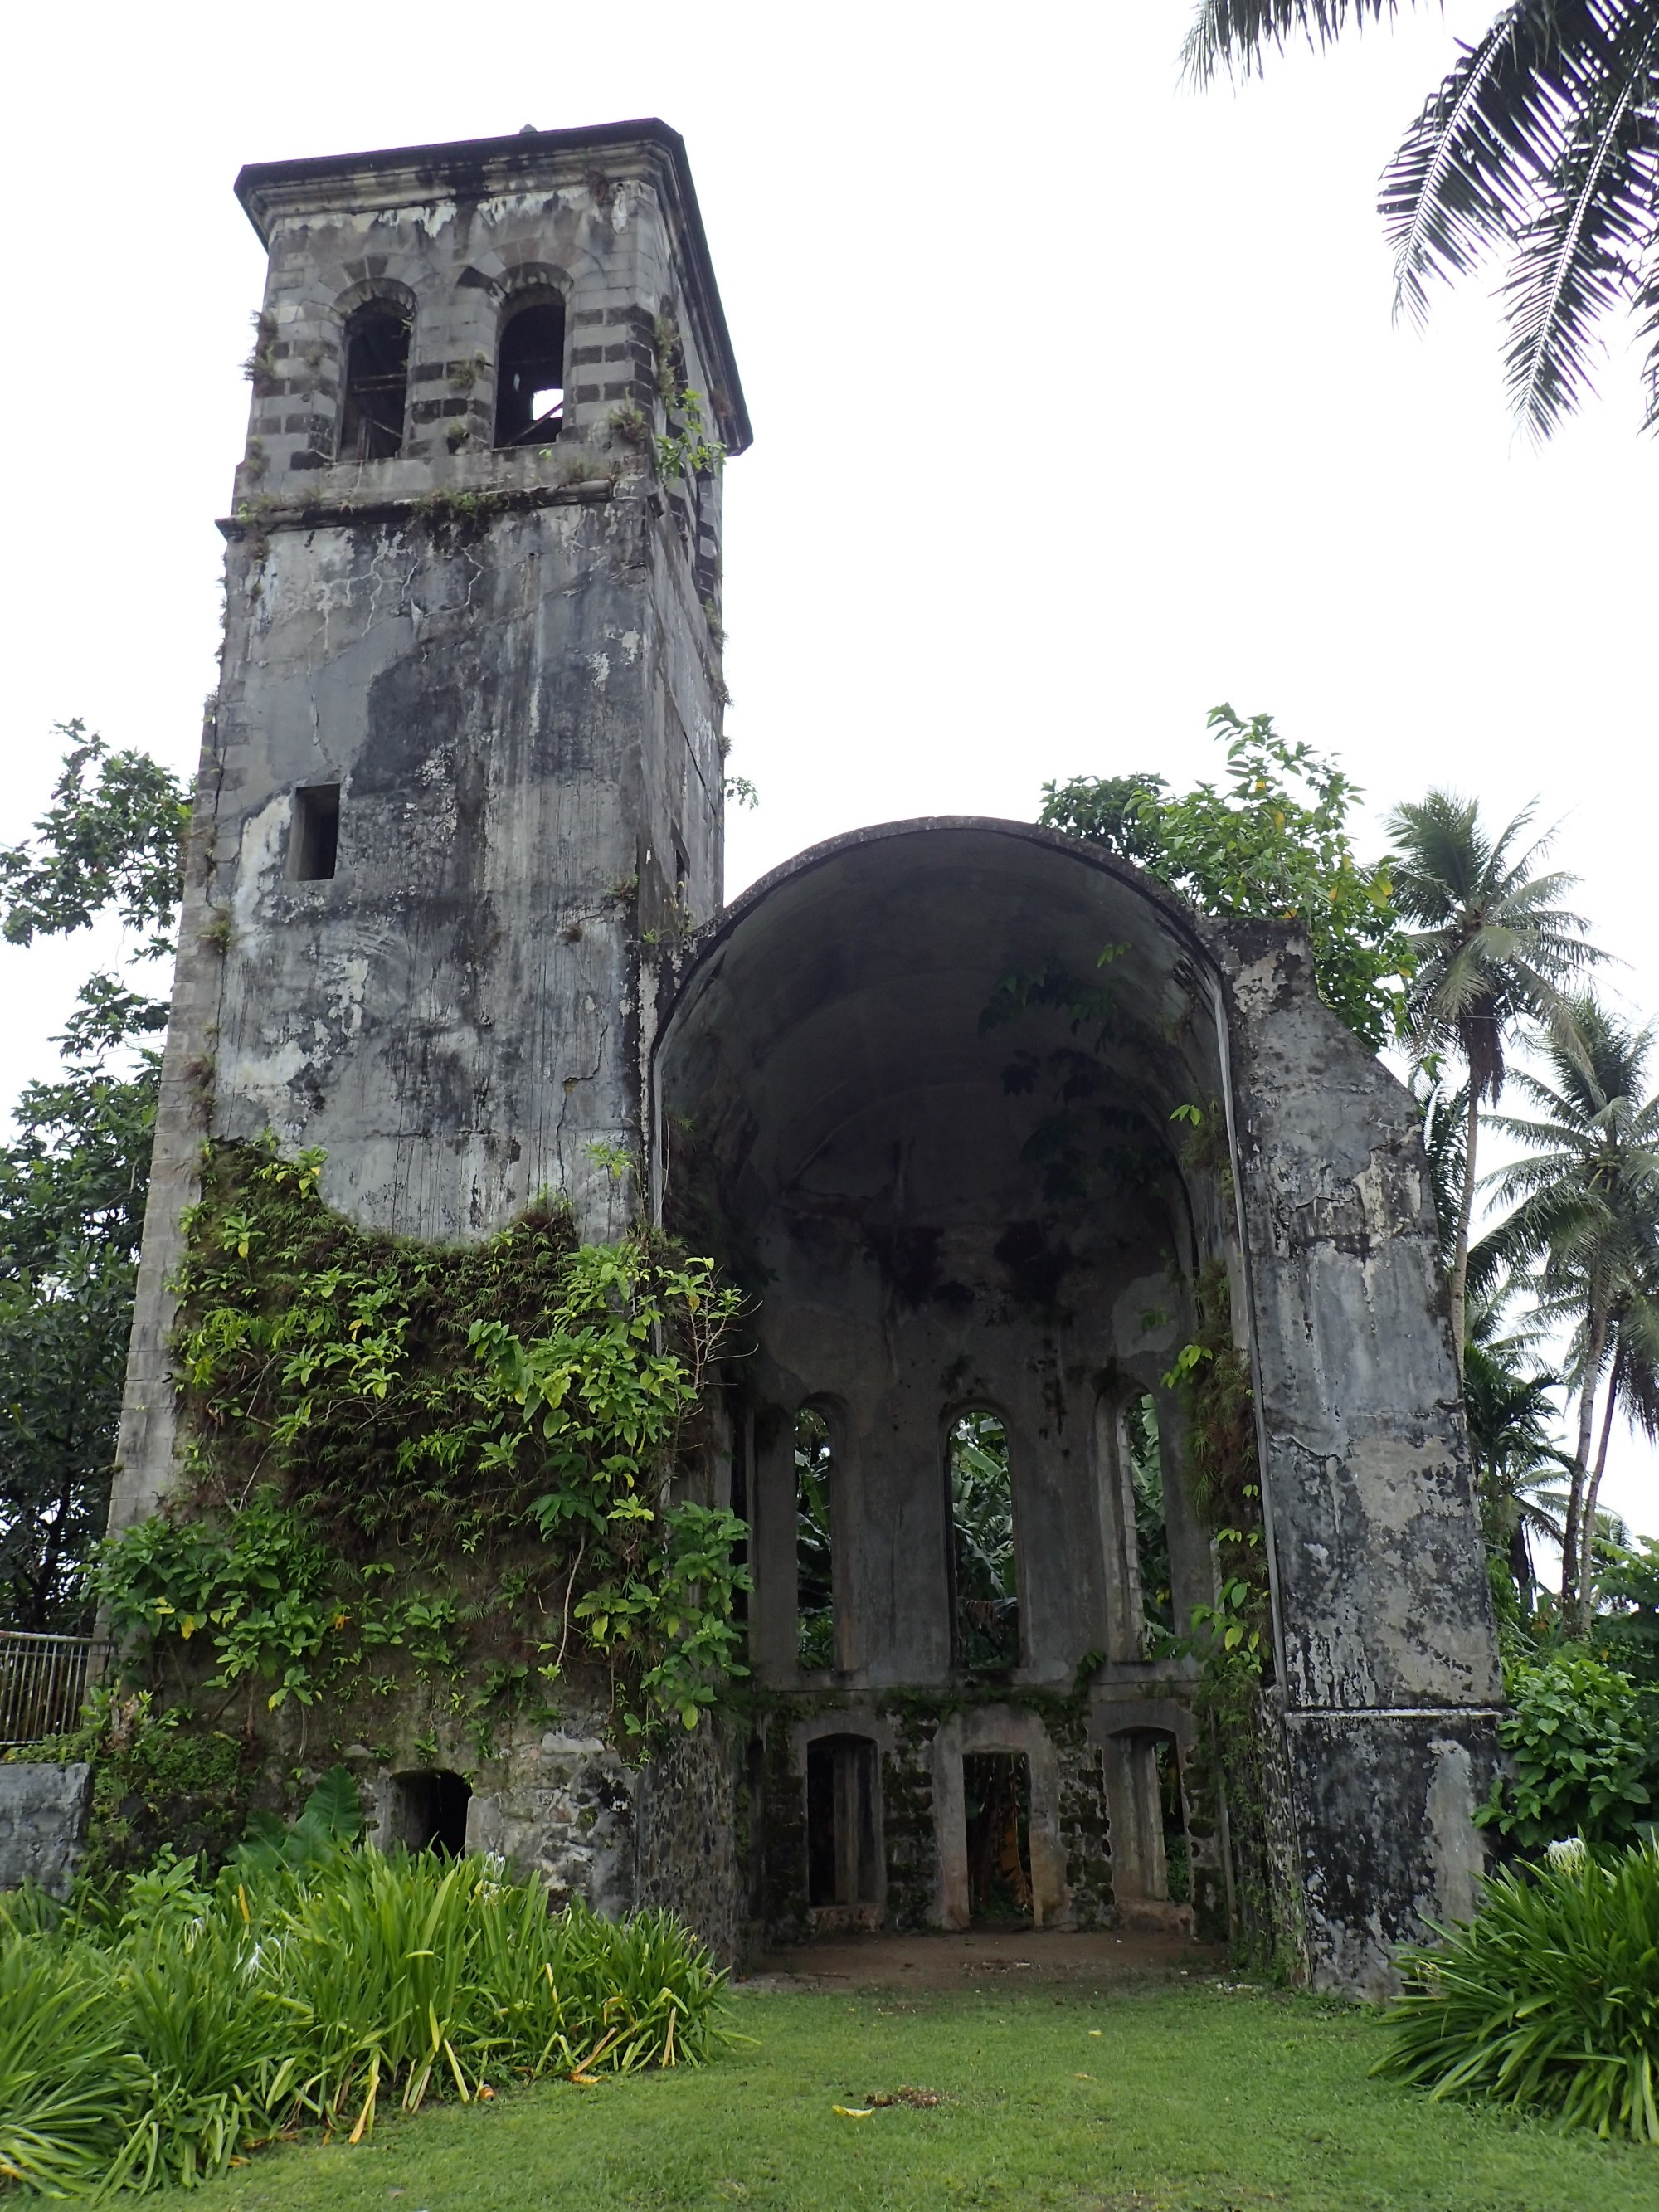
point(455, 917)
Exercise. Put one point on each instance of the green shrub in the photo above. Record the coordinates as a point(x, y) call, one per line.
point(1550, 1999)
point(154, 2039)
point(1582, 1743)
point(1627, 1630)
point(390, 1444)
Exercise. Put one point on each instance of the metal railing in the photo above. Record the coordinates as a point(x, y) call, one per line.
point(44, 1681)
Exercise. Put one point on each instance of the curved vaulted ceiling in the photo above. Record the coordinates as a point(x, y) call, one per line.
point(865, 975)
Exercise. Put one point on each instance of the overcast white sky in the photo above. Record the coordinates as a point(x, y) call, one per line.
point(1077, 408)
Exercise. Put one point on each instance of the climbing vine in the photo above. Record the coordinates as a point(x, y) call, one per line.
point(395, 1447)
point(1232, 1637)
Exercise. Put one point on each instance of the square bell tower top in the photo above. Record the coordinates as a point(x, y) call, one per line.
point(394, 276)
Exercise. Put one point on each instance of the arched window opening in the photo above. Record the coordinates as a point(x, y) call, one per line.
point(376, 382)
point(996, 1791)
point(986, 1627)
point(428, 1812)
point(530, 374)
point(843, 1860)
point(814, 1587)
point(1144, 1453)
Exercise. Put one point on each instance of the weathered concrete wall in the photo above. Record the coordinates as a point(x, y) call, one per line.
point(1371, 1879)
point(507, 662)
point(567, 1808)
point(1383, 1613)
point(687, 1843)
point(43, 1821)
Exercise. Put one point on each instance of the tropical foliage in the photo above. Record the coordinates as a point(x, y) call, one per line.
point(1549, 2000)
point(161, 2032)
point(1585, 1220)
point(73, 1177)
point(370, 1415)
point(982, 1534)
point(1490, 947)
point(1274, 845)
point(1508, 1400)
point(1540, 148)
point(1584, 1741)
point(815, 1588)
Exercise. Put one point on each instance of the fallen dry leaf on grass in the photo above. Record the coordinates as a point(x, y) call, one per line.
point(920, 2099)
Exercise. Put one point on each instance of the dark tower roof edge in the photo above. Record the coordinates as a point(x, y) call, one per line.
point(472, 168)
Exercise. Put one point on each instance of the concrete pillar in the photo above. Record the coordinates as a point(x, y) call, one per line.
point(1387, 1655)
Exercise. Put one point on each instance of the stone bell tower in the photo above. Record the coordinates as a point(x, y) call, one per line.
point(464, 769)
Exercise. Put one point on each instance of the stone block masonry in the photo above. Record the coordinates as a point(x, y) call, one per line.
point(43, 1821)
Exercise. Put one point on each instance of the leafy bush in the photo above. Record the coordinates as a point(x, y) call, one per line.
point(391, 1443)
point(1550, 1999)
point(1583, 1743)
point(159, 2043)
point(1274, 845)
point(1627, 1630)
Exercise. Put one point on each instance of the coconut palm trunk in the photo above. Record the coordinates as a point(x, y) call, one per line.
point(1460, 1272)
point(1572, 1534)
point(1586, 1549)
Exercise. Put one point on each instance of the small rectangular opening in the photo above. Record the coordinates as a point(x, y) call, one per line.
point(428, 1812)
point(314, 840)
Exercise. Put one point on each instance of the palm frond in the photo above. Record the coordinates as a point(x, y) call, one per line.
point(1233, 34)
point(1594, 216)
point(1454, 190)
point(1544, 140)
point(1646, 302)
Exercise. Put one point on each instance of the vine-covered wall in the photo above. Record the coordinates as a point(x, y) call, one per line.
point(438, 1507)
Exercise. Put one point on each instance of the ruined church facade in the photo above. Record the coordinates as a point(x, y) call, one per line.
point(454, 918)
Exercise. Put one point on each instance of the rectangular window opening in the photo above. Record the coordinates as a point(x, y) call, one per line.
point(815, 1581)
point(314, 840)
point(984, 1582)
point(1144, 1453)
point(843, 1853)
point(996, 1791)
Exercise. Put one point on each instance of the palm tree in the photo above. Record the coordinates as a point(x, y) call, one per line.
point(1541, 143)
point(1492, 947)
point(1508, 1397)
point(1631, 1363)
point(1586, 1219)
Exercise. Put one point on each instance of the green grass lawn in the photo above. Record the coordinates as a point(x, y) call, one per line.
point(1195, 2100)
